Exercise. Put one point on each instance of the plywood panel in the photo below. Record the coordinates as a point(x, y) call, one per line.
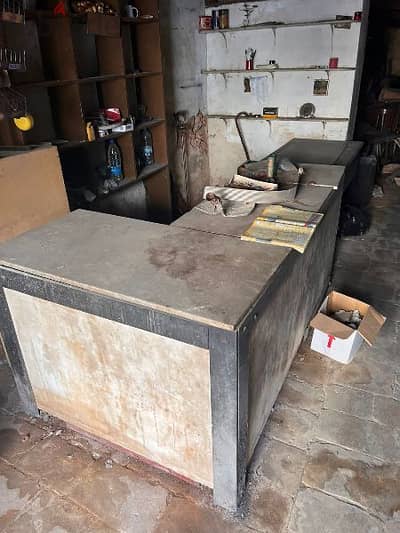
point(289, 304)
point(32, 191)
point(211, 279)
point(146, 393)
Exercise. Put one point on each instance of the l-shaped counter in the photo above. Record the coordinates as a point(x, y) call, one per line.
point(171, 342)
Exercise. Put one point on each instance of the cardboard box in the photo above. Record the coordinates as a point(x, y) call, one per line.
point(338, 341)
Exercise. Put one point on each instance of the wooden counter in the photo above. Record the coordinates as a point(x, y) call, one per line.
point(169, 341)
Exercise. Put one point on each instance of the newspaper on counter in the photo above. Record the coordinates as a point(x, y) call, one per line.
point(283, 226)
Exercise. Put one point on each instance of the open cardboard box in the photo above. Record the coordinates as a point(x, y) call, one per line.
point(338, 341)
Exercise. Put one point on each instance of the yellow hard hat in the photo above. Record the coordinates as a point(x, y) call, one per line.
point(24, 123)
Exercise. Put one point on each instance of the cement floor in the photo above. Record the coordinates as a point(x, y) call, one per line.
point(328, 462)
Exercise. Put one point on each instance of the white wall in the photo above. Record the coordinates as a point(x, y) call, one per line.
point(291, 47)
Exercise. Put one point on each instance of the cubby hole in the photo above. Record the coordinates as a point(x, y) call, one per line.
point(58, 50)
point(67, 112)
point(110, 55)
point(85, 51)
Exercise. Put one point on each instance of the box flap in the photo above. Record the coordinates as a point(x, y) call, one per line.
point(370, 325)
point(331, 327)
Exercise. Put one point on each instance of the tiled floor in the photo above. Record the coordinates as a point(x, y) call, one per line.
point(328, 462)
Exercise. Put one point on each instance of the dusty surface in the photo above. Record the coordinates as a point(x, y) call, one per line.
point(158, 388)
point(328, 461)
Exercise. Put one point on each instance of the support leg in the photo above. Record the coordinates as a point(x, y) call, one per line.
point(15, 358)
point(229, 404)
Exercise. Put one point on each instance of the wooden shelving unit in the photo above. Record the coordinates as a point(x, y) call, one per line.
point(71, 74)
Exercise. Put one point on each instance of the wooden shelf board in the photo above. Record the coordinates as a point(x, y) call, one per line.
point(76, 144)
point(147, 172)
point(275, 70)
point(277, 25)
point(282, 119)
point(91, 79)
point(81, 17)
point(149, 123)
point(151, 170)
point(131, 20)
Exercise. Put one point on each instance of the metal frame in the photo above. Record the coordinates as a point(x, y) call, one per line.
point(228, 367)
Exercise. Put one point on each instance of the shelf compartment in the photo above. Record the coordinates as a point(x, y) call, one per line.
point(158, 189)
point(159, 135)
point(39, 106)
point(85, 47)
point(148, 48)
point(114, 94)
point(150, 91)
point(25, 37)
point(110, 55)
point(276, 26)
point(67, 111)
point(58, 50)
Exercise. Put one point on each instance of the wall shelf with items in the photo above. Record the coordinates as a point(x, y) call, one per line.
point(276, 70)
point(281, 119)
point(73, 74)
point(278, 25)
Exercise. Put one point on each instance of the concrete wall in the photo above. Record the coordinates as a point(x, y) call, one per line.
point(290, 47)
point(184, 57)
point(213, 147)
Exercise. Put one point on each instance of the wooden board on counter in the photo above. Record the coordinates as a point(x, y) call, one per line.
point(32, 191)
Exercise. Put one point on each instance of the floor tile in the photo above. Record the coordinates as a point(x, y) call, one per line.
point(292, 426)
point(50, 513)
point(366, 373)
point(16, 492)
point(301, 395)
point(315, 512)
point(279, 465)
point(387, 411)
point(182, 516)
point(9, 397)
point(360, 435)
point(56, 463)
point(352, 402)
point(311, 367)
point(268, 509)
point(120, 498)
point(17, 437)
point(373, 485)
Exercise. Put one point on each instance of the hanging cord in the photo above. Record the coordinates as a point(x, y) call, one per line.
point(240, 132)
point(182, 130)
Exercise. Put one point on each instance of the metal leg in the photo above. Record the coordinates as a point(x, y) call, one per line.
point(15, 358)
point(229, 404)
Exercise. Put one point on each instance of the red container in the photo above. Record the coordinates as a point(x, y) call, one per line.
point(333, 62)
point(249, 64)
point(357, 16)
point(205, 22)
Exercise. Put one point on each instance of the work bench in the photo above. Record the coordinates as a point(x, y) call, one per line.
point(171, 342)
